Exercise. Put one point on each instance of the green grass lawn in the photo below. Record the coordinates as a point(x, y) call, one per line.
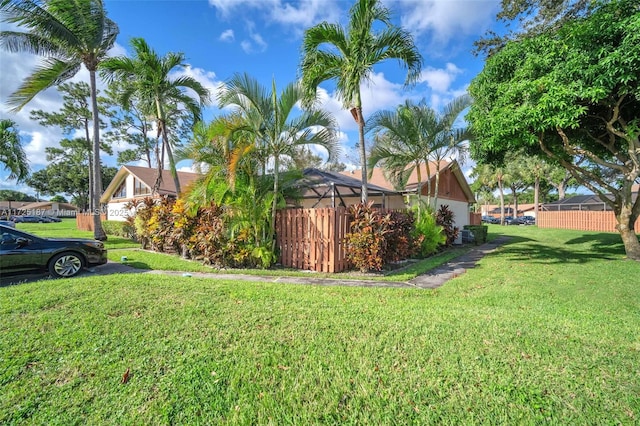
point(544, 330)
point(67, 229)
point(143, 259)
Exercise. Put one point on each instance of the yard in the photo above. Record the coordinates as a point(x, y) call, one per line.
point(544, 330)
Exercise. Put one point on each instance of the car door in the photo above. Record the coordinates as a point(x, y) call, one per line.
point(18, 252)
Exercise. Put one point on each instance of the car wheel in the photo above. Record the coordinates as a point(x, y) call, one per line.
point(65, 265)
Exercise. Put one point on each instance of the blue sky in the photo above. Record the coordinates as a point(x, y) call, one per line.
point(263, 38)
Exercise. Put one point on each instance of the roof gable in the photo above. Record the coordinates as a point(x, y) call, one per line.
point(147, 176)
point(378, 177)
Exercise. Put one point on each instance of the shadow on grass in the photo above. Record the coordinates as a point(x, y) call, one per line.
point(137, 265)
point(587, 248)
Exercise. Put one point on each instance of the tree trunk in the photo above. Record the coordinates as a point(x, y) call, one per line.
point(428, 169)
point(437, 188)
point(172, 164)
point(363, 155)
point(88, 138)
point(274, 205)
point(536, 197)
point(626, 215)
point(98, 231)
point(501, 192)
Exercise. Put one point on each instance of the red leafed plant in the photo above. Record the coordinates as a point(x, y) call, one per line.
point(366, 243)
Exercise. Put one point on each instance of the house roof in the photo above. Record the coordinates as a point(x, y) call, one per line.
point(41, 204)
point(148, 177)
point(378, 177)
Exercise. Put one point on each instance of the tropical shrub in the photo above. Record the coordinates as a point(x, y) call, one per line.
point(400, 242)
point(479, 233)
point(206, 239)
point(123, 229)
point(429, 236)
point(144, 210)
point(160, 226)
point(445, 218)
point(366, 244)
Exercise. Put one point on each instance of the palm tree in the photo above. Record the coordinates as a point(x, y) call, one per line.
point(401, 143)
point(492, 177)
point(69, 34)
point(347, 56)
point(12, 155)
point(415, 134)
point(148, 75)
point(448, 139)
point(276, 131)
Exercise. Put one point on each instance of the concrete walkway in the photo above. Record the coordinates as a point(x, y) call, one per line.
point(433, 279)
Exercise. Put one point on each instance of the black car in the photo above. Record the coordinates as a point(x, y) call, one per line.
point(523, 220)
point(27, 219)
point(490, 219)
point(61, 257)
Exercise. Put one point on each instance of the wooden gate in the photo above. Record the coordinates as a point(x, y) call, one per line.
point(313, 239)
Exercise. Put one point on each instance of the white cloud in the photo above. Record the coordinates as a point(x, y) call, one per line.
point(227, 36)
point(305, 13)
point(255, 43)
point(444, 20)
point(297, 15)
point(206, 78)
point(438, 79)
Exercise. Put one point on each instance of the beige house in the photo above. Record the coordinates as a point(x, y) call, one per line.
point(453, 189)
point(134, 183)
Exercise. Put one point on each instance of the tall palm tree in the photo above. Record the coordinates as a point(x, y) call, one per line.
point(69, 33)
point(12, 156)
point(401, 143)
point(415, 134)
point(449, 139)
point(149, 80)
point(348, 56)
point(276, 129)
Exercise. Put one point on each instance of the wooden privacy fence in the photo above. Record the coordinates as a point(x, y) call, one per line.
point(475, 218)
point(84, 221)
point(312, 239)
point(603, 221)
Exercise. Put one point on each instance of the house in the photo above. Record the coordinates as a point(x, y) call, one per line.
point(50, 208)
point(453, 188)
point(133, 183)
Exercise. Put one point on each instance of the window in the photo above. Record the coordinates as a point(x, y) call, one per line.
point(140, 188)
point(121, 192)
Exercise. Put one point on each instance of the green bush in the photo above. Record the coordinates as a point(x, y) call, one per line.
point(118, 228)
point(427, 233)
point(365, 244)
point(479, 233)
point(377, 238)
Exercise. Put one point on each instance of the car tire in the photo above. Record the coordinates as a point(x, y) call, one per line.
point(66, 265)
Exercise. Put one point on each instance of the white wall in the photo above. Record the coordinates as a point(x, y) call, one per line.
point(118, 211)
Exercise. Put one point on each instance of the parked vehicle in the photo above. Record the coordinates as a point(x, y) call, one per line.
point(524, 220)
point(27, 219)
point(52, 218)
point(62, 257)
point(9, 223)
point(490, 219)
point(508, 220)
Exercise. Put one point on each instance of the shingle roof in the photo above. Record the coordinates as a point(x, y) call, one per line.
point(148, 177)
